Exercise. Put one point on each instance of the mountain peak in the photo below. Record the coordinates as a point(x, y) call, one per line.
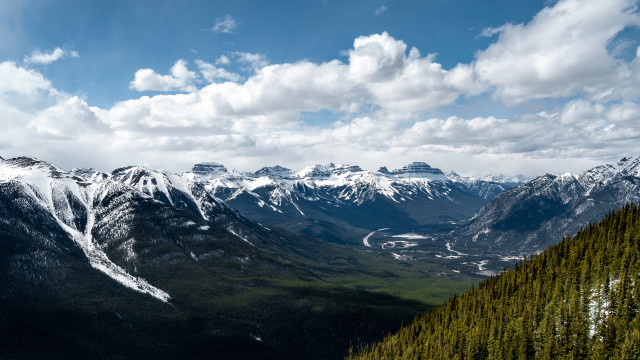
point(630, 166)
point(317, 170)
point(417, 167)
point(208, 167)
point(324, 171)
point(342, 169)
point(205, 171)
point(275, 171)
point(623, 161)
point(27, 163)
point(89, 174)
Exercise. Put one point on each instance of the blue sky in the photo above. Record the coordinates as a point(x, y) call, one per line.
point(472, 86)
point(116, 38)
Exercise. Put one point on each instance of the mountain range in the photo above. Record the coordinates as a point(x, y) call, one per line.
point(534, 215)
point(139, 262)
point(415, 196)
point(209, 259)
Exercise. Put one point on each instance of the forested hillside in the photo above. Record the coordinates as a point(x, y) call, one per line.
point(577, 300)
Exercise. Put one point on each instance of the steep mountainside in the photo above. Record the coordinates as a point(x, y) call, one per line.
point(577, 300)
point(141, 263)
point(348, 196)
point(532, 216)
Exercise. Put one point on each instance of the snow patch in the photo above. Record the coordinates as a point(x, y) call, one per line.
point(454, 251)
point(410, 236)
point(511, 258)
point(401, 257)
point(483, 231)
point(365, 241)
point(127, 248)
point(241, 237)
point(398, 244)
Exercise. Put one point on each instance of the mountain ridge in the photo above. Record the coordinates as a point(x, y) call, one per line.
point(551, 206)
point(414, 195)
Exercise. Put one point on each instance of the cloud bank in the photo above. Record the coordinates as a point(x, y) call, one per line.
point(380, 95)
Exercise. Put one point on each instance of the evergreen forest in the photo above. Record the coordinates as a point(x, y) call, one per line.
point(579, 299)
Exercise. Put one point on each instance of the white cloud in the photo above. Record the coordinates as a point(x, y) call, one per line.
point(626, 113)
point(377, 57)
point(212, 73)
point(25, 82)
point(381, 10)
point(490, 31)
point(581, 113)
point(560, 53)
point(223, 60)
point(39, 57)
point(181, 79)
point(382, 94)
point(255, 61)
point(68, 118)
point(225, 25)
point(250, 125)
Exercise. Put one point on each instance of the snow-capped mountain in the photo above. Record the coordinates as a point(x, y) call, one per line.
point(182, 192)
point(81, 251)
point(125, 223)
point(487, 186)
point(534, 215)
point(414, 195)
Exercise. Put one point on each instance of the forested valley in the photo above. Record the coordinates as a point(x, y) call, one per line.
point(578, 299)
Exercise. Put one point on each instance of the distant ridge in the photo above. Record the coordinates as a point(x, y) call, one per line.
point(533, 215)
point(347, 195)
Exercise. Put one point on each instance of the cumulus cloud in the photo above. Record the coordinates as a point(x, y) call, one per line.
point(212, 73)
point(561, 52)
point(46, 122)
point(39, 57)
point(251, 124)
point(379, 74)
point(625, 113)
point(223, 60)
point(377, 57)
point(382, 92)
point(255, 61)
point(18, 80)
point(70, 117)
point(225, 25)
point(180, 78)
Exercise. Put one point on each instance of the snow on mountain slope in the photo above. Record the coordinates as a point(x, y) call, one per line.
point(534, 215)
point(347, 195)
point(277, 194)
point(70, 200)
point(182, 192)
